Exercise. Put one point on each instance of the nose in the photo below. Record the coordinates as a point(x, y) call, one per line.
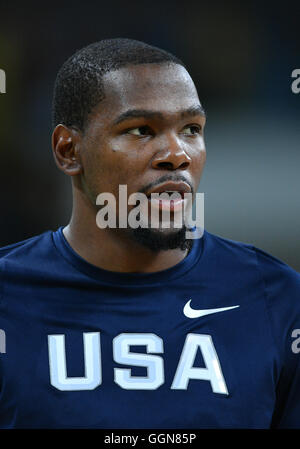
point(172, 156)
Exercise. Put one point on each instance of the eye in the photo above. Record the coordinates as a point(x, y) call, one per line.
point(192, 129)
point(140, 131)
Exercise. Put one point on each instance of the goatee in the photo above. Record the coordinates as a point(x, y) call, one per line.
point(157, 240)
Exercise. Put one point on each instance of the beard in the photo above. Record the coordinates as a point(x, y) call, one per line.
point(162, 240)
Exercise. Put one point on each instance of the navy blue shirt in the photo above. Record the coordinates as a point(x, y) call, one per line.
point(208, 343)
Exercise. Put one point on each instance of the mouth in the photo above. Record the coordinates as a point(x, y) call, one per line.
point(171, 187)
point(169, 196)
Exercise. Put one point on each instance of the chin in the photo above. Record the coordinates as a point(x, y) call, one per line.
point(162, 239)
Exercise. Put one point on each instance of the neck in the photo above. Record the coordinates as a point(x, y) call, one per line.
point(113, 249)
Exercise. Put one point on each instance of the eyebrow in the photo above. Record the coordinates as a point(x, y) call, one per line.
point(146, 113)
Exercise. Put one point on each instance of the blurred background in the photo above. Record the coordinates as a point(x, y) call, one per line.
point(240, 55)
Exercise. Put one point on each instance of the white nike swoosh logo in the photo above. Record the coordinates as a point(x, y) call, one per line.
point(192, 313)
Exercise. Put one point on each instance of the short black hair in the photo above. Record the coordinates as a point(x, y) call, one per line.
point(79, 87)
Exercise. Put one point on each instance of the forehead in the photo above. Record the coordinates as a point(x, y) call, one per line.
point(160, 87)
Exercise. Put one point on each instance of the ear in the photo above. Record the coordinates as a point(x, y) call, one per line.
point(65, 147)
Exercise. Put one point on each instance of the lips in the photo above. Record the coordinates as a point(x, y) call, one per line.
point(168, 204)
point(170, 187)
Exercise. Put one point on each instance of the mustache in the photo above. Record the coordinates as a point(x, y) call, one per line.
point(166, 178)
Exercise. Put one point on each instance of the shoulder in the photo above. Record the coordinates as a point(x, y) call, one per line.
point(277, 274)
point(227, 246)
point(230, 258)
point(24, 257)
point(25, 261)
point(270, 268)
point(274, 280)
point(24, 247)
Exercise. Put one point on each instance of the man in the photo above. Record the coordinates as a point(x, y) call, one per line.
point(136, 327)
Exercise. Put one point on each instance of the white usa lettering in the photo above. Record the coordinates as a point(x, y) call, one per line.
point(150, 360)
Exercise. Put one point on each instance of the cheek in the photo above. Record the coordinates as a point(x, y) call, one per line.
point(201, 152)
point(201, 160)
point(108, 168)
point(127, 159)
point(198, 163)
point(96, 176)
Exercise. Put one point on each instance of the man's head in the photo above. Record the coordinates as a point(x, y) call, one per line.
point(128, 113)
point(79, 84)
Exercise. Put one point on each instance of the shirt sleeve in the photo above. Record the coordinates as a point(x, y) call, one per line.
point(282, 288)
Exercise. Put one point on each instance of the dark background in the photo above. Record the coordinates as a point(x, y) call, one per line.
point(240, 55)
